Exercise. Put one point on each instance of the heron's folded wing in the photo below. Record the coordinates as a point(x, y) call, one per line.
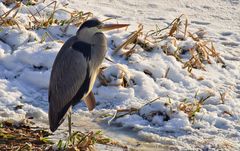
point(68, 75)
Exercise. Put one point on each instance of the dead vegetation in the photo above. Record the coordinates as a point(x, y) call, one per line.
point(135, 38)
point(177, 32)
point(132, 38)
point(123, 112)
point(202, 51)
point(10, 20)
point(40, 19)
point(79, 141)
point(22, 136)
point(120, 77)
point(189, 107)
point(192, 107)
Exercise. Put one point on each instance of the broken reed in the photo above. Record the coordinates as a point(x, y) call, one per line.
point(135, 39)
point(131, 39)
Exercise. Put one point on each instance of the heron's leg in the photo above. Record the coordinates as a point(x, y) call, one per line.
point(70, 122)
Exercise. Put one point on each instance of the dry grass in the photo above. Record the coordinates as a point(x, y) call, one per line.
point(123, 112)
point(131, 39)
point(21, 136)
point(203, 52)
point(135, 38)
point(224, 94)
point(177, 31)
point(10, 20)
point(40, 19)
point(79, 141)
point(76, 19)
point(190, 108)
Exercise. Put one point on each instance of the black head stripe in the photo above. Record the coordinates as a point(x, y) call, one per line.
point(90, 23)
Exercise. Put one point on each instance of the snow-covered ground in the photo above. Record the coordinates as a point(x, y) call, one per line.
point(25, 65)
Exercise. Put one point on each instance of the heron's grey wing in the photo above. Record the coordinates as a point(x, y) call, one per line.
point(68, 75)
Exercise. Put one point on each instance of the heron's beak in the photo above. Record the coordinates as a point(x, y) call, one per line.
point(107, 27)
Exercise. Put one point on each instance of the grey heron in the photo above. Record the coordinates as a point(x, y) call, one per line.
point(75, 70)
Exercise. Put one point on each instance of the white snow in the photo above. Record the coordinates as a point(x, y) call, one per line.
point(25, 67)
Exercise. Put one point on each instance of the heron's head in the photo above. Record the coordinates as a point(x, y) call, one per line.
point(91, 26)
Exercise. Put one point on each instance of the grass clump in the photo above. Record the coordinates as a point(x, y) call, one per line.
point(173, 41)
point(193, 107)
point(41, 19)
point(79, 141)
point(201, 52)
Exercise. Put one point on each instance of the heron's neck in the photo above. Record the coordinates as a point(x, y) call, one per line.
point(86, 34)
